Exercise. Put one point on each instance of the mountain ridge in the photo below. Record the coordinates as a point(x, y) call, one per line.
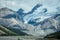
point(42, 28)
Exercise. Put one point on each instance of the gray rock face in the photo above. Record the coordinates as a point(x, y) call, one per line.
point(6, 11)
point(44, 24)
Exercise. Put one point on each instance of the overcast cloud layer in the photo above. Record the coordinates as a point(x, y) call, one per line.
point(27, 5)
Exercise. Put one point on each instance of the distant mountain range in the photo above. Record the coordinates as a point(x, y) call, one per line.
point(30, 23)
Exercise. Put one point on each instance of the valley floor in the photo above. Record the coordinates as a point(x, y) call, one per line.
point(24, 38)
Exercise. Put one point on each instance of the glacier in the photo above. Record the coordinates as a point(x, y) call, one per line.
point(32, 23)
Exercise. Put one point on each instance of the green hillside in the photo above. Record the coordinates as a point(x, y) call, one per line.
point(5, 32)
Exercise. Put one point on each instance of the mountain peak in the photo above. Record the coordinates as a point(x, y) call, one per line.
point(5, 9)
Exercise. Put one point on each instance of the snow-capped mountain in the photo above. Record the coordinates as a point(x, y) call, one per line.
point(21, 13)
point(40, 23)
point(6, 11)
point(49, 22)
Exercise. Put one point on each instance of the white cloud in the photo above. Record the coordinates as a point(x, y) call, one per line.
point(27, 5)
point(13, 3)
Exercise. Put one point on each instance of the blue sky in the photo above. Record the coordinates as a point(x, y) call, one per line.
point(27, 5)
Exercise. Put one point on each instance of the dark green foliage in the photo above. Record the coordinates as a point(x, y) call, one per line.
point(55, 35)
point(7, 31)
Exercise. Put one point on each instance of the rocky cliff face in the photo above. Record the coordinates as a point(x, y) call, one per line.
point(6, 11)
point(41, 23)
point(55, 35)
